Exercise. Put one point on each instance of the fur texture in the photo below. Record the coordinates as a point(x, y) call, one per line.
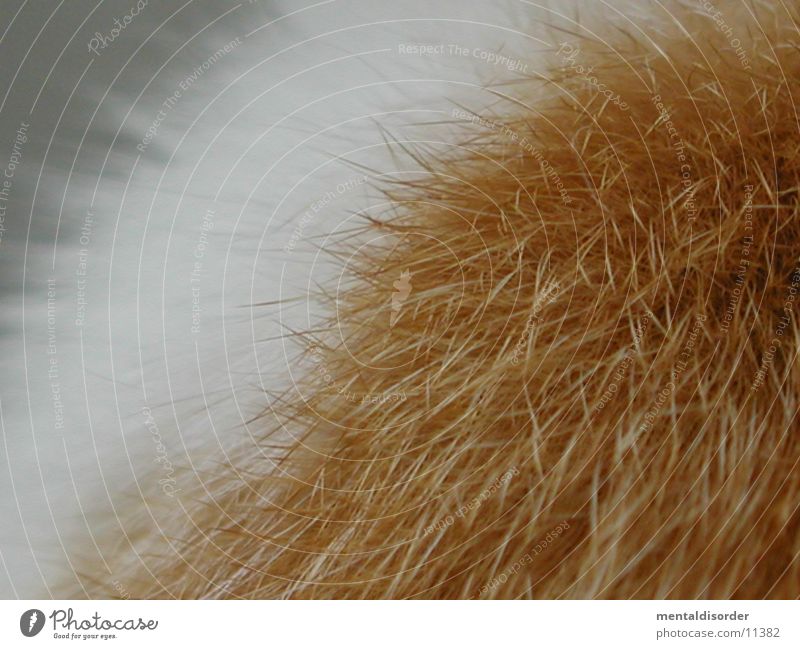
point(562, 364)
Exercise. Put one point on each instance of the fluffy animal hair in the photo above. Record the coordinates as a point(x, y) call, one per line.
point(564, 366)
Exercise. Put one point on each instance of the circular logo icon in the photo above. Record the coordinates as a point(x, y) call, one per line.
point(31, 622)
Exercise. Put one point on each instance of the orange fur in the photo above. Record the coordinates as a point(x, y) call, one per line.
point(545, 391)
